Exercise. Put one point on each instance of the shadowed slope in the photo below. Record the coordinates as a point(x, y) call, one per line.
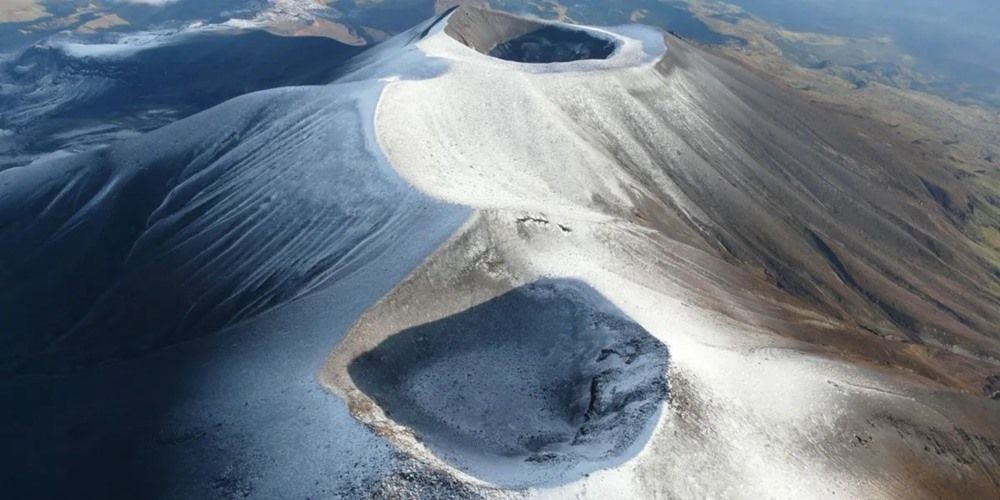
point(483, 29)
point(196, 226)
point(231, 250)
point(66, 96)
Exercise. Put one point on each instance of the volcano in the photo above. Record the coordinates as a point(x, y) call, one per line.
point(499, 256)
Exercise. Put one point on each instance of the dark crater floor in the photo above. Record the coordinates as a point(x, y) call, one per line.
point(540, 385)
point(521, 40)
point(553, 44)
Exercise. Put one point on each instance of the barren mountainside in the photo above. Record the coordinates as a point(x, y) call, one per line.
point(502, 257)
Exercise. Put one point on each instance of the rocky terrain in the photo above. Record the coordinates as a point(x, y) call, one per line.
point(503, 257)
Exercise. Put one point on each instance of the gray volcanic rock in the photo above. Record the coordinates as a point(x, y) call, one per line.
point(485, 29)
point(553, 44)
point(548, 375)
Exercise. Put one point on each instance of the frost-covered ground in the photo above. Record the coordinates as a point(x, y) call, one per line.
point(239, 304)
point(566, 165)
point(67, 96)
point(143, 248)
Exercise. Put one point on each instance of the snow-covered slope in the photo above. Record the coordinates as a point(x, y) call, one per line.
point(679, 137)
point(736, 224)
point(643, 273)
point(197, 225)
point(65, 96)
point(220, 258)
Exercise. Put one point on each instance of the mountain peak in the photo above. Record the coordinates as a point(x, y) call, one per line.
point(498, 256)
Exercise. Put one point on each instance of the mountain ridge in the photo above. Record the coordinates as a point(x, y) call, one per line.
point(657, 221)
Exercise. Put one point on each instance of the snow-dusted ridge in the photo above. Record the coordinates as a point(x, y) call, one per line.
point(200, 224)
point(630, 174)
point(230, 250)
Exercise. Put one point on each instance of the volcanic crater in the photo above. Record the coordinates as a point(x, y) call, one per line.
point(544, 383)
point(522, 40)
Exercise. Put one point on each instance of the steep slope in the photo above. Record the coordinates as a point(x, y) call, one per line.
point(782, 253)
point(834, 211)
point(167, 301)
point(195, 226)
